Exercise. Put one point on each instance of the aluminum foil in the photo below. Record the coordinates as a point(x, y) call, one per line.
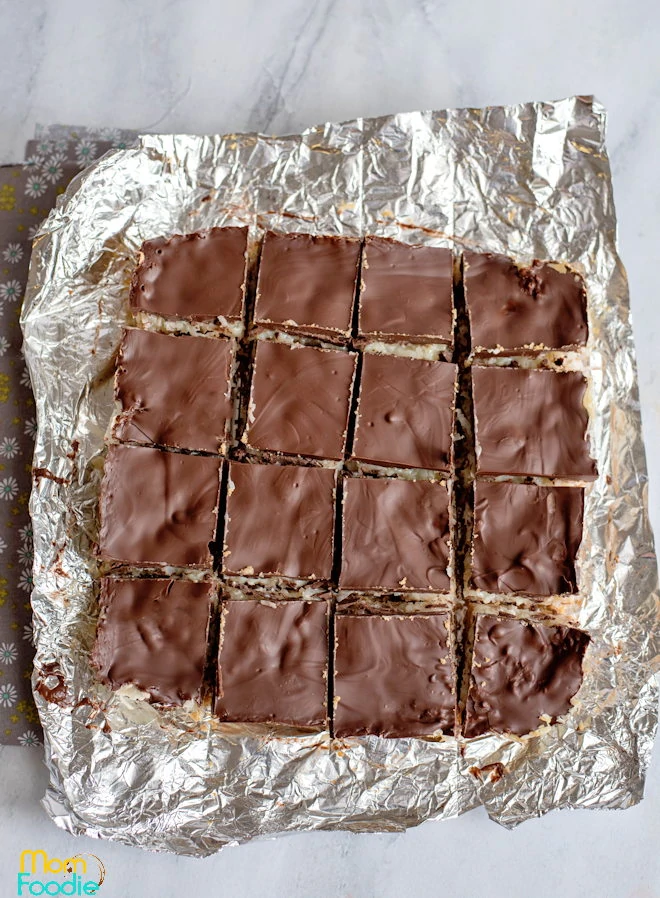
point(531, 181)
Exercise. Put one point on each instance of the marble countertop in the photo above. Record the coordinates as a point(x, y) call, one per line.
point(212, 65)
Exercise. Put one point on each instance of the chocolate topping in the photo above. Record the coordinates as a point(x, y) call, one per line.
point(406, 291)
point(158, 507)
point(531, 422)
point(300, 400)
point(395, 535)
point(523, 675)
point(394, 676)
point(174, 391)
point(406, 412)
point(152, 634)
point(526, 538)
point(280, 521)
point(307, 283)
point(543, 306)
point(197, 276)
point(273, 663)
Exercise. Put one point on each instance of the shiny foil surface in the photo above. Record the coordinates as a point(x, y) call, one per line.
point(531, 181)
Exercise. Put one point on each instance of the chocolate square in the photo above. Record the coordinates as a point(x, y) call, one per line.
point(198, 276)
point(158, 507)
point(523, 309)
point(405, 413)
point(531, 423)
point(152, 634)
point(300, 400)
point(523, 675)
point(395, 535)
point(394, 676)
point(273, 663)
point(407, 292)
point(174, 391)
point(526, 538)
point(280, 521)
point(307, 283)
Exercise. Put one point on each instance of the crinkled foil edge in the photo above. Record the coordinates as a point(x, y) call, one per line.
point(532, 181)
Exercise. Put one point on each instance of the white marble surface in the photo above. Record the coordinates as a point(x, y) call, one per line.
point(277, 66)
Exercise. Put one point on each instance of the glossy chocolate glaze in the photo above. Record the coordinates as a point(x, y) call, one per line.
point(406, 412)
point(406, 291)
point(300, 399)
point(526, 538)
point(280, 521)
point(158, 507)
point(513, 307)
point(174, 391)
point(273, 663)
point(395, 535)
point(307, 283)
point(531, 422)
point(521, 673)
point(198, 276)
point(394, 676)
point(152, 634)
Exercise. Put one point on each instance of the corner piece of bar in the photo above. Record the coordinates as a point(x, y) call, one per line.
point(152, 634)
point(523, 310)
point(531, 423)
point(526, 538)
point(280, 521)
point(174, 391)
point(524, 675)
point(307, 284)
point(300, 400)
point(197, 277)
point(158, 508)
point(273, 663)
point(394, 676)
point(405, 412)
point(407, 293)
point(395, 535)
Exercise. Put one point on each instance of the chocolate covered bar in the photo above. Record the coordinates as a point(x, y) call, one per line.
point(405, 413)
point(273, 663)
point(152, 634)
point(524, 675)
point(280, 521)
point(174, 391)
point(526, 538)
point(394, 675)
point(406, 293)
point(300, 400)
point(199, 277)
point(307, 284)
point(395, 535)
point(523, 310)
point(158, 507)
point(531, 423)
